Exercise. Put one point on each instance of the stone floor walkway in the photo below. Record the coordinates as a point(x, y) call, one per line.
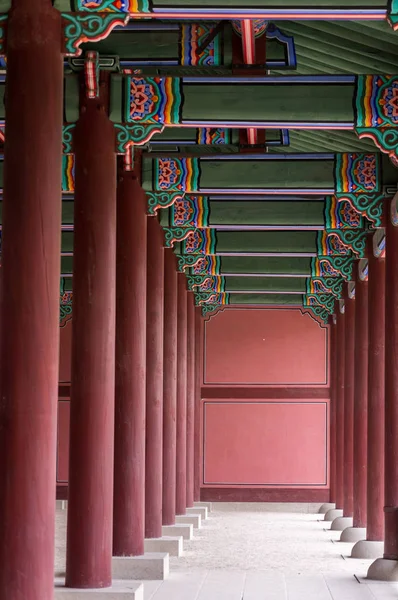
point(261, 552)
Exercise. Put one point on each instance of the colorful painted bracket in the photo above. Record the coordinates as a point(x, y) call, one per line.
point(386, 139)
point(206, 283)
point(135, 135)
point(325, 300)
point(332, 266)
point(158, 200)
point(342, 242)
point(325, 285)
point(368, 205)
point(83, 27)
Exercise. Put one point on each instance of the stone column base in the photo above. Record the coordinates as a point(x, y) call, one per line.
point(383, 569)
point(172, 545)
point(208, 505)
point(333, 513)
point(150, 566)
point(192, 519)
point(325, 507)
point(340, 523)
point(198, 510)
point(353, 534)
point(120, 590)
point(367, 549)
point(185, 531)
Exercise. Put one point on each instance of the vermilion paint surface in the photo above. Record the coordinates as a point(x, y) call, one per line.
point(65, 352)
point(265, 347)
point(63, 442)
point(265, 443)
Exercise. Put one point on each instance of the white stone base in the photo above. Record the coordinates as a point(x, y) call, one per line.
point(325, 507)
point(149, 566)
point(208, 505)
point(120, 590)
point(173, 545)
point(353, 534)
point(383, 569)
point(367, 549)
point(185, 531)
point(61, 504)
point(333, 513)
point(191, 519)
point(198, 510)
point(340, 523)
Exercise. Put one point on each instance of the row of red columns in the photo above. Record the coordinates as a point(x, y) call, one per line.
point(135, 348)
point(364, 412)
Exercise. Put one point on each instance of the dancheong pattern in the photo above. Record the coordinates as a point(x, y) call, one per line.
point(190, 211)
point(339, 215)
point(200, 241)
point(357, 173)
point(341, 242)
point(176, 174)
point(123, 6)
point(153, 100)
point(194, 37)
point(377, 101)
point(332, 266)
point(214, 136)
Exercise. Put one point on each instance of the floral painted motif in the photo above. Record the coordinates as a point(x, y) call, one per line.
point(174, 174)
point(154, 100)
point(357, 173)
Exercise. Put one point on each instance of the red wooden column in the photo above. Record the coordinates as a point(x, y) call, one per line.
point(30, 312)
point(358, 531)
point(154, 381)
point(129, 476)
point(170, 388)
point(181, 462)
point(373, 545)
point(198, 363)
point(349, 300)
point(190, 398)
point(333, 448)
point(90, 506)
point(387, 567)
point(339, 409)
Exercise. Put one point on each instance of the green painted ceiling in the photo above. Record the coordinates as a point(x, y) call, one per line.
point(265, 217)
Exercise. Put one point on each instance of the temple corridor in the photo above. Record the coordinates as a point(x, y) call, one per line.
point(260, 551)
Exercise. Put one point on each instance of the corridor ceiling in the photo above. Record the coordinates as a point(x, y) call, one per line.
point(267, 136)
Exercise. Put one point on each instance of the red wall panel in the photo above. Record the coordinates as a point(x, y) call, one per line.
point(265, 443)
point(265, 347)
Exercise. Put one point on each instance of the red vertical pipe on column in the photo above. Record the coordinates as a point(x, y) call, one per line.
point(198, 362)
point(349, 404)
point(360, 399)
point(90, 506)
point(391, 388)
point(376, 322)
point(190, 398)
point(130, 380)
point(340, 364)
point(333, 363)
point(181, 461)
point(154, 381)
point(30, 312)
point(170, 388)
